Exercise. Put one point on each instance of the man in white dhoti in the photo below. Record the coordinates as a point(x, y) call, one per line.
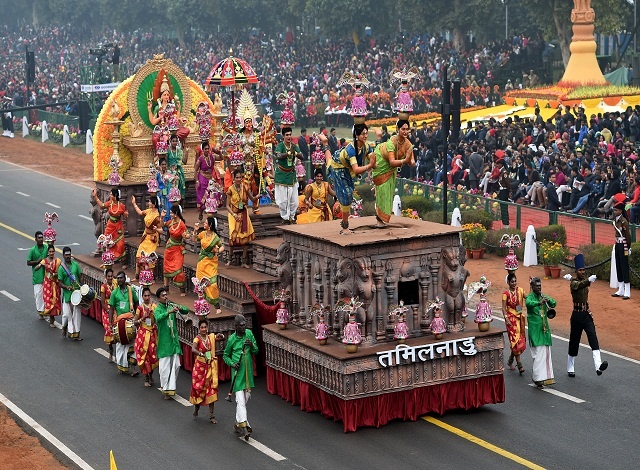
point(540, 308)
point(169, 348)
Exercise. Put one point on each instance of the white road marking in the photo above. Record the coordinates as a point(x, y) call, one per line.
point(44, 433)
point(179, 399)
point(22, 194)
point(58, 325)
point(566, 396)
point(7, 294)
point(83, 186)
point(264, 449)
point(85, 217)
point(102, 352)
point(52, 205)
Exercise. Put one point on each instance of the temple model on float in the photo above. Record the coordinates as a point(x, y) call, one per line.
point(374, 292)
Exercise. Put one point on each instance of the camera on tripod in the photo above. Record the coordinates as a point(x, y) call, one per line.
point(101, 50)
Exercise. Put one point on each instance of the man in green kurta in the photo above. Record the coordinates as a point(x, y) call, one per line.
point(285, 180)
point(538, 306)
point(237, 354)
point(169, 349)
point(122, 306)
point(37, 253)
point(69, 278)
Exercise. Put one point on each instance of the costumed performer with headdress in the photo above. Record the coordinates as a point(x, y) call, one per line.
point(622, 250)
point(146, 342)
point(174, 252)
point(115, 228)
point(204, 376)
point(207, 267)
point(582, 319)
point(152, 228)
point(515, 320)
point(106, 288)
point(345, 164)
point(241, 231)
point(205, 170)
point(393, 153)
point(51, 293)
point(286, 153)
point(316, 197)
point(538, 308)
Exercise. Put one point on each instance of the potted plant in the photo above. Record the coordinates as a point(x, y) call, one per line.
point(472, 238)
point(552, 253)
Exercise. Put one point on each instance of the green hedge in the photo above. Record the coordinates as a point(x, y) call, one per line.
point(554, 233)
point(596, 253)
point(418, 203)
point(365, 191)
point(477, 217)
point(634, 263)
point(368, 208)
point(436, 216)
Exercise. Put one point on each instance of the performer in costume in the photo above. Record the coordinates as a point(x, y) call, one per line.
point(176, 157)
point(164, 180)
point(316, 200)
point(117, 211)
point(240, 228)
point(345, 164)
point(51, 294)
point(582, 319)
point(146, 343)
point(37, 254)
point(152, 228)
point(106, 289)
point(286, 189)
point(622, 250)
point(207, 267)
point(204, 376)
point(390, 155)
point(205, 170)
point(174, 252)
point(123, 302)
point(241, 345)
point(69, 277)
point(169, 348)
point(538, 306)
point(515, 320)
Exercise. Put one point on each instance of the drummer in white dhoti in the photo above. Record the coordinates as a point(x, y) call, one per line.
point(69, 279)
point(122, 305)
point(169, 348)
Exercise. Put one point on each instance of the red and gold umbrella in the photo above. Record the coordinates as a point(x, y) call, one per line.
point(231, 72)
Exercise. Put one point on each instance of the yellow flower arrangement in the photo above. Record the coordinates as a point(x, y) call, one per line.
point(552, 253)
point(410, 213)
point(473, 236)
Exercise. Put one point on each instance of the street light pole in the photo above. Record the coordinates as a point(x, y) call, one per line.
point(506, 20)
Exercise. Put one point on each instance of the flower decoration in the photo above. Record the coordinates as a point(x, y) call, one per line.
point(351, 333)
point(282, 296)
point(552, 253)
point(105, 242)
point(115, 163)
point(288, 100)
point(49, 235)
point(479, 287)
point(300, 171)
point(438, 325)
point(200, 306)
point(473, 236)
point(400, 329)
point(322, 329)
point(410, 213)
point(204, 118)
point(213, 197)
point(317, 156)
point(404, 104)
point(174, 194)
point(147, 261)
point(358, 104)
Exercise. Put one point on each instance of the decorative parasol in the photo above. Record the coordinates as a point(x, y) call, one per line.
point(231, 72)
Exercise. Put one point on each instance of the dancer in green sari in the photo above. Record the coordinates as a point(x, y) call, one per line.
point(390, 155)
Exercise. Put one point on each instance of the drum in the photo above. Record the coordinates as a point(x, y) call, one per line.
point(88, 295)
point(76, 297)
point(124, 332)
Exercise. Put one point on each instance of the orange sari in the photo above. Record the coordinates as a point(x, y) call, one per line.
point(146, 344)
point(115, 227)
point(204, 376)
point(174, 254)
point(51, 289)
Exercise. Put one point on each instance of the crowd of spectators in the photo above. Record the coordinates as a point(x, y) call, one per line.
point(571, 162)
point(310, 67)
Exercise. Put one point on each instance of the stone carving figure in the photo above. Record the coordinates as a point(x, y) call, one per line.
point(285, 273)
point(363, 286)
point(454, 276)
